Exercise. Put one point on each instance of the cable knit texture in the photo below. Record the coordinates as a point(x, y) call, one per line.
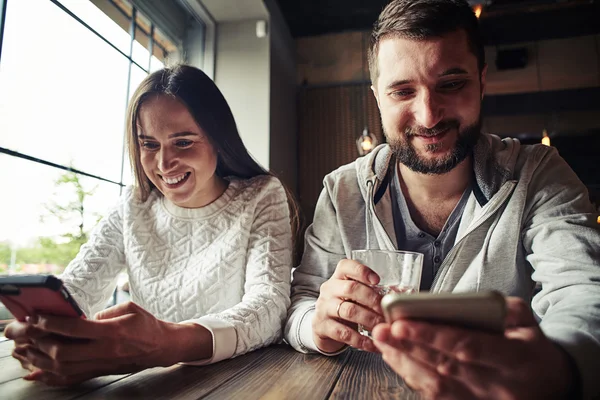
point(225, 266)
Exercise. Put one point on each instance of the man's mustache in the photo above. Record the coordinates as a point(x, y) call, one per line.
point(442, 126)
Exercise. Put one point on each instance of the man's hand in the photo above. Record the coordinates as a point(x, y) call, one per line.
point(346, 300)
point(124, 338)
point(445, 362)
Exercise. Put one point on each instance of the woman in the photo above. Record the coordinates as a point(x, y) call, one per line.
point(205, 237)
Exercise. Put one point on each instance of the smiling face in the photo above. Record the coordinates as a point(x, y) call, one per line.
point(429, 94)
point(176, 155)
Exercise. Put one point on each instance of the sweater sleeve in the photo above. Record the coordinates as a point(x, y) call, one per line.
point(91, 276)
point(258, 319)
point(562, 239)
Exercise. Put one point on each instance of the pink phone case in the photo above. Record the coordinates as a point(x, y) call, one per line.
point(28, 295)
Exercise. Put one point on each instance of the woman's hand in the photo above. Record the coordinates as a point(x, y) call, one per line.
point(124, 338)
point(23, 333)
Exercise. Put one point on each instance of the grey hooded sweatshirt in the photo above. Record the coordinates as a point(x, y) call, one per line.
point(528, 220)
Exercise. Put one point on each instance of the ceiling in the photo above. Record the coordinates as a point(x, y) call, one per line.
point(502, 21)
point(235, 10)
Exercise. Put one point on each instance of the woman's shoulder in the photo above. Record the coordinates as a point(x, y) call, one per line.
point(259, 186)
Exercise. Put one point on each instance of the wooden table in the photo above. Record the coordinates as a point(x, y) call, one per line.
point(275, 372)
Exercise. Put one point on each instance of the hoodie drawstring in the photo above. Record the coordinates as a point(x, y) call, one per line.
point(369, 211)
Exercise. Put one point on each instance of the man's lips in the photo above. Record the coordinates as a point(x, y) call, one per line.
point(432, 139)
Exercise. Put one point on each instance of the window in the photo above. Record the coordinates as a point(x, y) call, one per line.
point(67, 70)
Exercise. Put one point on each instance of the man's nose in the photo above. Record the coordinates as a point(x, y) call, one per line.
point(428, 111)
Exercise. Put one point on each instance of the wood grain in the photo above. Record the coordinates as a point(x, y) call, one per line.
point(6, 348)
point(285, 373)
point(11, 369)
point(367, 376)
point(21, 389)
point(272, 373)
point(180, 381)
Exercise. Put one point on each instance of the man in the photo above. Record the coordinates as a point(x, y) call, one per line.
point(488, 214)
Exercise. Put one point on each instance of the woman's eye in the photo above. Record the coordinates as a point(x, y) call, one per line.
point(454, 85)
point(183, 143)
point(149, 145)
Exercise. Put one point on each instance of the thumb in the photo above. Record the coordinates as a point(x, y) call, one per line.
point(118, 310)
point(518, 313)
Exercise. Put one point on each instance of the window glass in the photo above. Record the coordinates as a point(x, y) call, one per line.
point(63, 90)
point(45, 232)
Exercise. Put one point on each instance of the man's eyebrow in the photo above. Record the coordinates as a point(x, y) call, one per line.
point(454, 71)
point(399, 83)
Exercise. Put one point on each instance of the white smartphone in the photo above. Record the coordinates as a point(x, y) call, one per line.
point(483, 311)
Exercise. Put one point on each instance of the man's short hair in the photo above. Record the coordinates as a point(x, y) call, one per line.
point(424, 19)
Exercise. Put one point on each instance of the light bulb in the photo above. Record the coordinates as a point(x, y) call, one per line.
point(545, 138)
point(366, 144)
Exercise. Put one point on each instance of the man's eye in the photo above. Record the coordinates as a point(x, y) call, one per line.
point(402, 93)
point(183, 143)
point(454, 85)
point(149, 145)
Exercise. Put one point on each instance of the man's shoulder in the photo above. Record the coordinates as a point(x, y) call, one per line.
point(511, 155)
point(344, 177)
point(359, 170)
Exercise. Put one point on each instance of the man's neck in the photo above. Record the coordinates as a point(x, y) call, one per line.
point(443, 187)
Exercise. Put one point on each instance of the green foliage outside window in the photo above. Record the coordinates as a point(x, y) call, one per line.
point(53, 253)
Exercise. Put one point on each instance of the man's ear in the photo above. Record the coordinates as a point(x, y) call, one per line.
point(374, 89)
point(482, 79)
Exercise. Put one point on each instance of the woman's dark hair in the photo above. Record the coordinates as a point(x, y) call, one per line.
point(424, 19)
point(210, 110)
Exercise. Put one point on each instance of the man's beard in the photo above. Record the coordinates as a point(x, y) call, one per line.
point(407, 154)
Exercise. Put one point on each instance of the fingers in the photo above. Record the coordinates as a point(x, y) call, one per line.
point(23, 332)
point(420, 376)
point(19, 355)
point(42, 361)
point(344, 301)
point(472, 376)
point(518, 313)
point(51, 379)
point(118, 310)
point(350, 269)
point(336, 290)
point(356, 313)
point(71, 350)
point(465, 345)
point(339, 332)
point(71, 327)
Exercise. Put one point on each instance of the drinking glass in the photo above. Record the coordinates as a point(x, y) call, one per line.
point(399, 271)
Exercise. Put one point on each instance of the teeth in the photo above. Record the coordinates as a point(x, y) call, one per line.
point(172, 181)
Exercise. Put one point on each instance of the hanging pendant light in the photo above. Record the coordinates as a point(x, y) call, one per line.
point(366, 142)
point(545, 138)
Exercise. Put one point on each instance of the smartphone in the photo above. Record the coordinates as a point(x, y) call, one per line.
point(26, 295)
point(483, 311)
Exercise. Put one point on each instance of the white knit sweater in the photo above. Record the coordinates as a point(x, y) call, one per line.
point(225, 266)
